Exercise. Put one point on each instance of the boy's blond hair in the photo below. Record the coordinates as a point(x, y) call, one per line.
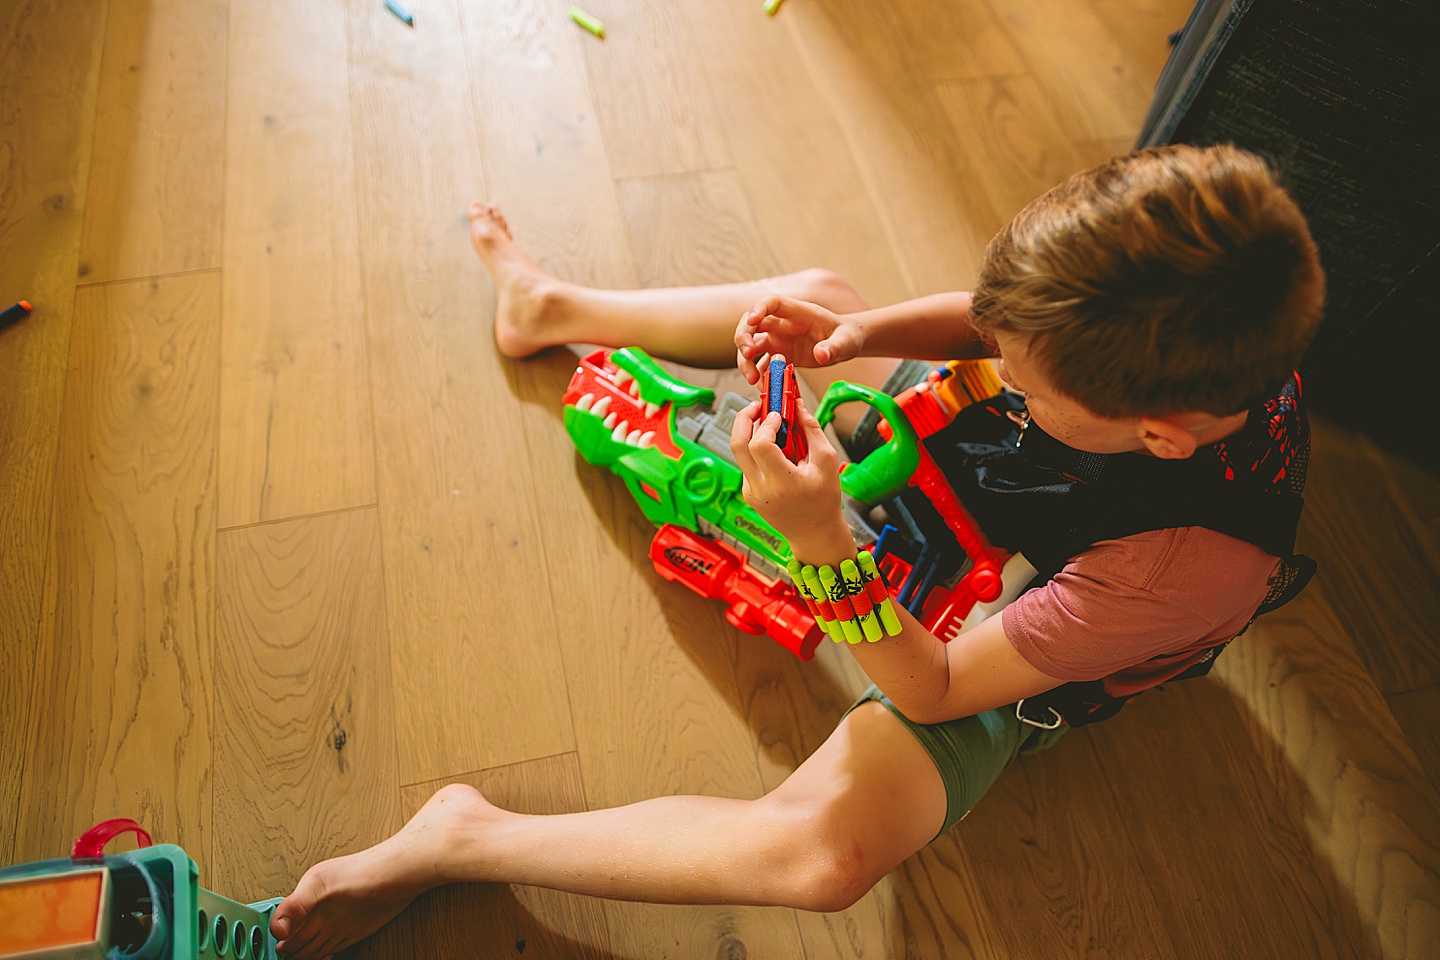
point(1172, 280)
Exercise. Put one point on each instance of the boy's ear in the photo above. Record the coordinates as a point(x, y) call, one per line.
point(1166, 439)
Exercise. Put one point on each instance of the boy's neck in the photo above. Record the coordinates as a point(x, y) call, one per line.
point(1222, 428)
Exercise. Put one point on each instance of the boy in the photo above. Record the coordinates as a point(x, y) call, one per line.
point(1151, 312)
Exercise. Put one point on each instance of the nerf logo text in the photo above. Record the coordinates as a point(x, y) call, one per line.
point(688, 560)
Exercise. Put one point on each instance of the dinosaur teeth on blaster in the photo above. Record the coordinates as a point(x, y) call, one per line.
point(635, 388)
point(602, 406)
point(646, 439)
point(620, 431)
point(584, 402)
point(633, 438)
point(610, 420)
point(651, 409)
point(622, 377)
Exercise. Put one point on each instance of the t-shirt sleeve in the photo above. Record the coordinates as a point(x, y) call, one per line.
point(1122, 602)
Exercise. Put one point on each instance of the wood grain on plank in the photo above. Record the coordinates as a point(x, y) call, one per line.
point(543, 155)
point(1142, 30)
point(933, 906)
point(917, 170)
point(1207, 817)
point(304, 752)
point(1418, 713)
point(790, 152)
point(295, 433)
point(483, 921)
point(157, 177)
point(1349, 780)
point(1376, 562)
point(1085, 70)
point(478, 679)
point(655, 108)
point(692, 230)
point(955, 41)
point(1045, 844)
point(122, 720)
point(1011, 133)
point(45, 132)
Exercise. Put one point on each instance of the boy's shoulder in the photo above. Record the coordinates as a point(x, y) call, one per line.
point(1124, 601)
point(1186, 563)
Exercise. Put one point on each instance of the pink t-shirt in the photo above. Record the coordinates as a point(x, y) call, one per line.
point(1141, 609)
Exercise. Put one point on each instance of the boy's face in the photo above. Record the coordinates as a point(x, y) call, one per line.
point(1065, 419)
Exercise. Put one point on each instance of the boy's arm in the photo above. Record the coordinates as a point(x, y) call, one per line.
point(930, 681)
point(977, 671)
point(936, 327)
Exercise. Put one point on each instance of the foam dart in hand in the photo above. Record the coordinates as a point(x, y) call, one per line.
point(875, 587)
point(840, 603)
point(860, 600)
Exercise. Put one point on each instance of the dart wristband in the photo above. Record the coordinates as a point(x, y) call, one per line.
point(851, 603)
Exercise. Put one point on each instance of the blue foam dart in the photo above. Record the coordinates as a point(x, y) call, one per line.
point(777, 397)
point(400, 12)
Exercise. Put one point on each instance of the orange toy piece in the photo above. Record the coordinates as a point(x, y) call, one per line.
point(64, 915)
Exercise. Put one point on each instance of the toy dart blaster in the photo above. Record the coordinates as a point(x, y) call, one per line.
point(143, 905)
point(669, 441)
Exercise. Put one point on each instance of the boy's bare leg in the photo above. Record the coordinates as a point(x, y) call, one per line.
point(869, 797)
point(690, 325)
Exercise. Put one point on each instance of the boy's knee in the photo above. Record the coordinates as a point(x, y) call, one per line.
point(829, 289)
point(825, 866)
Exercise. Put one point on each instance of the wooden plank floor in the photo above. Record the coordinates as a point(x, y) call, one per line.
point(286, 544)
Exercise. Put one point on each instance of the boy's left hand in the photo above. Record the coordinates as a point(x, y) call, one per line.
point(800, 500)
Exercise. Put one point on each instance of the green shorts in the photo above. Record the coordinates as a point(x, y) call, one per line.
point(971, 752)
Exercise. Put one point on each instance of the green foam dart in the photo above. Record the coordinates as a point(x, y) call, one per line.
point(871, 575)
point(860, 600)
point(835, 590)
point(588, 22)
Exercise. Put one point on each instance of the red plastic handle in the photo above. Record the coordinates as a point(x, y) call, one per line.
point(92, 842)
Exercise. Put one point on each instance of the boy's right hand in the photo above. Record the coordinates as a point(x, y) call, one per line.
point(806, 332)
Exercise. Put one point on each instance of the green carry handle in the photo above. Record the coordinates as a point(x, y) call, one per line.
point(886, 471)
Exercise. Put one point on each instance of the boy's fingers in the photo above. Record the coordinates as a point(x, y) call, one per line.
point(821, 449)
point(837, 347)
point(740, 435)
point(746, 366)
point(766, 428)
point(765, 454)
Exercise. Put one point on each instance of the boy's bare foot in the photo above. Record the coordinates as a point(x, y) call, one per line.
point(524, 292)
point(342, 901)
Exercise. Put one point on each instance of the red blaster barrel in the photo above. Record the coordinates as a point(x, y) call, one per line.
point(756, 604)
